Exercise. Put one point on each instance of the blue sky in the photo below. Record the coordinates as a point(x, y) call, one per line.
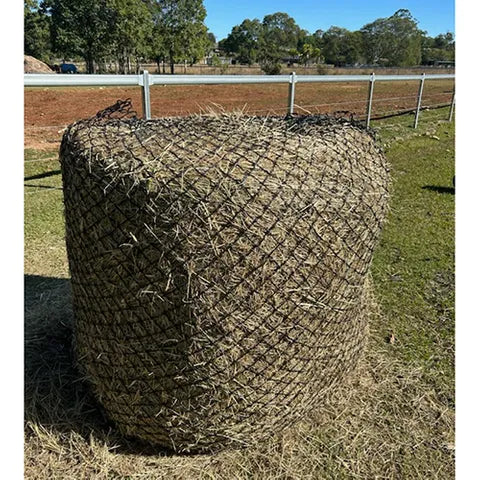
point(434, 16)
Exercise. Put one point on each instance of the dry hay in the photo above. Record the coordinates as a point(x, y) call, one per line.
point(219, 268)
point(33, 65)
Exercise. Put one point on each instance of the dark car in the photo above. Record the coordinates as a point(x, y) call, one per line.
point(68, 68)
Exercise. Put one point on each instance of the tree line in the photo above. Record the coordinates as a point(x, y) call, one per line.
point(173, 31)
point(393, 41)
point(125, 31)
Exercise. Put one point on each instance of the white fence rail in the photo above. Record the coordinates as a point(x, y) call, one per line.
point(145, 80)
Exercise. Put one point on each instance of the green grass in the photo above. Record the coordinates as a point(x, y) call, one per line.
point(413, 268)
point(394, 420)
point(44, 225)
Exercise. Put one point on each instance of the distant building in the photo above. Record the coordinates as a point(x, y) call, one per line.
point(291, 60)
point(444, 63)
point(219, 54)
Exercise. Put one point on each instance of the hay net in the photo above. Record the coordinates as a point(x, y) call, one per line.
point(219, 267)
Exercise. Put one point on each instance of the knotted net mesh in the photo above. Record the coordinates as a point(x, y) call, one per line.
point(219, 267)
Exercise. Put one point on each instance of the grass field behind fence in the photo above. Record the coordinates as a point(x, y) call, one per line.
point(395, 420)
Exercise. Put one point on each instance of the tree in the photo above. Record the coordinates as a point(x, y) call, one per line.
point(37, 26)
point(268, 42)
point(81, 27)
point(316, 38)
point(211, 40)
point(280, 37)
point(243, 41)
point(132, 26)
point(309, 47)
point(158, 49)
point(341, 46)
point(439, 48)
point(393, 41)
point(180, 30)
point(309, 52)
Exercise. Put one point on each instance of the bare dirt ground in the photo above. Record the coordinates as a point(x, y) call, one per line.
point(49, 110)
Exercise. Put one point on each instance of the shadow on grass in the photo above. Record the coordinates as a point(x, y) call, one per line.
point(43, 175)
point(46, 187)
point(56, 395)
point(439, 189)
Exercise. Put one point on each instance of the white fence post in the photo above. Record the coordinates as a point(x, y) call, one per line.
point(419, 101)
point(145, 83)
point(291, 93)
point(452, 108)
point(370, 98)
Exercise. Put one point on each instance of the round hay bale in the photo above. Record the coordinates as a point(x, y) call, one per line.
point(33, 65)
point(219, 268)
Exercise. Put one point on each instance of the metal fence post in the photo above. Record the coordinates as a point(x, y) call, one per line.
point(452, 108)
point(145, 83)
point(291, 93)
point(419, 101)
point(370, 98)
